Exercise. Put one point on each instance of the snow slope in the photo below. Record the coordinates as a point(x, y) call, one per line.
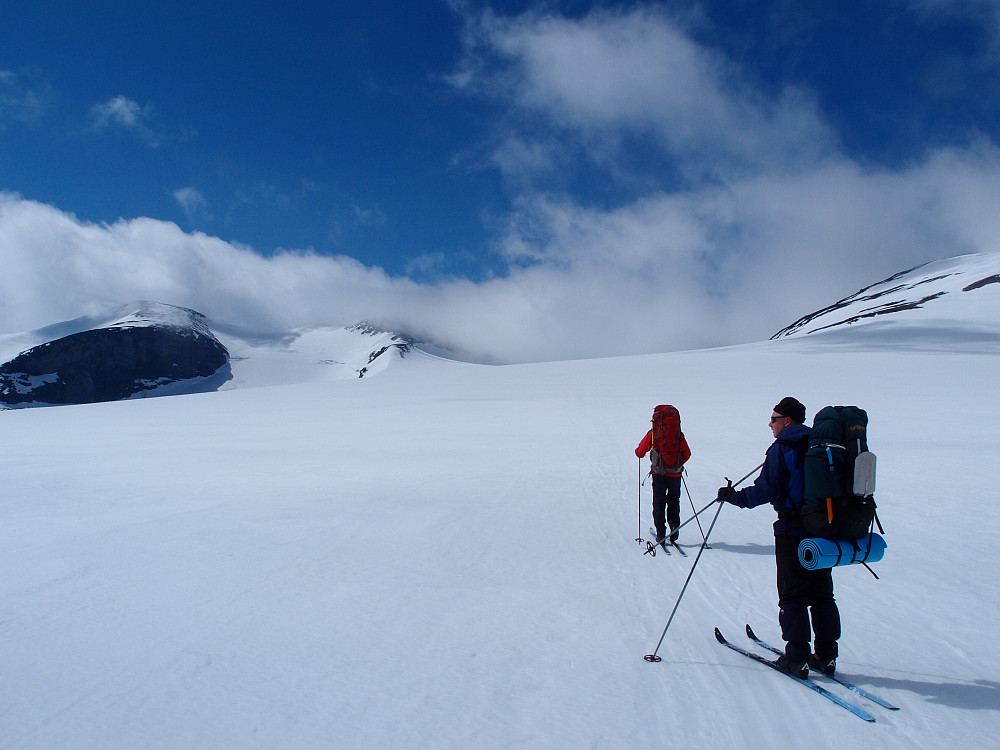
point(953, 303)
point(304, 355)
point(444, 556)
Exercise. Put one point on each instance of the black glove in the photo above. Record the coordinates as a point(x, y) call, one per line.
point(725, 493)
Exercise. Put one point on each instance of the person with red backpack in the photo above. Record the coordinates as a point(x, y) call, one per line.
point(668, 452)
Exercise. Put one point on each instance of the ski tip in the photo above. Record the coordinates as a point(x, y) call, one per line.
point(719, 637)
point(750, 634)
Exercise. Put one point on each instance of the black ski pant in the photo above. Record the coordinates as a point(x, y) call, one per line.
point(666, 505)
point(804, 596)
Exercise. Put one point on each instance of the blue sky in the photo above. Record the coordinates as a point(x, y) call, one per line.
point(323, 125)
point(534, 174)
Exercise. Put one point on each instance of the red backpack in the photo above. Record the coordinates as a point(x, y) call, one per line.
point(667, 436)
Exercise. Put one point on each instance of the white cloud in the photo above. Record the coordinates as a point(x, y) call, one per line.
point(122, 112)
point(727, 263)
point(60, 267)
point(191, 201)
point(770, 218)
point(771, 221)
point(23, 98)
point(119, 111)
point(746, 254)
point(368, 216)
point(615, 75)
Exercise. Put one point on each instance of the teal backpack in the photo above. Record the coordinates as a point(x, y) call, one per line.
point(839, 475)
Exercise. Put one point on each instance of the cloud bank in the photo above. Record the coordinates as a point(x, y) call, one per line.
point(658, 201)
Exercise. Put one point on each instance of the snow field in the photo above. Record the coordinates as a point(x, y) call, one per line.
point(443, 556)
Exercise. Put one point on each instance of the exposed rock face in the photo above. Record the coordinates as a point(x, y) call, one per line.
point(142, 352)
point(402, 344)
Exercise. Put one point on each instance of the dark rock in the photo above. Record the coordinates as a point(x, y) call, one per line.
point(112, 363)
point(994, 279)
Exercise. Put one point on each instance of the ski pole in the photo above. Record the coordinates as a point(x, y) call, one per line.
point(710, 503)
point(651, 547)
point(699, 512)
point(690, 500)
point(747, 475)
point(696, 514)
point(639, 538)
point(654, 657)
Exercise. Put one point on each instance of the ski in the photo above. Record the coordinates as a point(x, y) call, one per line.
point(836, 678)
point(653, 546)
point(666, 544)
point(856, 710)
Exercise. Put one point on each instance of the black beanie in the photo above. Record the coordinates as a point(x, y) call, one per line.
point(790, 407)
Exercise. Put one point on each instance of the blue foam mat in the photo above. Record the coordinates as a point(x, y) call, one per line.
point(815, 553)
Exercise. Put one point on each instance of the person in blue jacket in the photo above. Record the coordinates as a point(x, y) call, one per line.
point(803, 595)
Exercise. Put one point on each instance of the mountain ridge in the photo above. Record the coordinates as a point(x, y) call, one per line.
point(951, 303)
point(927, 300)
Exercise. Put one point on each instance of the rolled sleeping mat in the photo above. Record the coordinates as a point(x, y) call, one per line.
point(815, 553)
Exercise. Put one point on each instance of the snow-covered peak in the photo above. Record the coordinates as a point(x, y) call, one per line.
point(257, 358)
point(143, 314)
point(310, 354)
point(137, 314)
point(951, 302)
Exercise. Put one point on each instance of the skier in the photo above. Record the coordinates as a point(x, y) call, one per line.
point(801, 593)
point(666, 466)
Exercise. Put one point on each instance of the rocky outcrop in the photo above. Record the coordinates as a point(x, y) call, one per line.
point(401, 344)
point(141, 353)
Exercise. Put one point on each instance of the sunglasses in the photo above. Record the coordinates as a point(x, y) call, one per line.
point(775, 419)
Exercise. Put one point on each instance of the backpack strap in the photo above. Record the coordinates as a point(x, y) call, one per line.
point(868, 552)
point(840, 556)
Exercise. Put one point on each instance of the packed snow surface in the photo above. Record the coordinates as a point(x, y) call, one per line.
point(444, 556)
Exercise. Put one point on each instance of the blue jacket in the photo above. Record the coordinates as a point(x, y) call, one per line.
point(780, 480)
